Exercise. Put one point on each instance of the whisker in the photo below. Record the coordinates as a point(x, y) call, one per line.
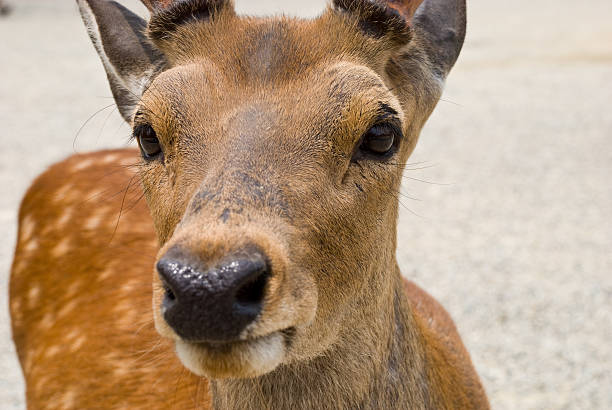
point(425, 181)
point(87, 121)
point(104, 123)
point(399, 200)
point(121, 209)
point(451, 102)
point(409, 197)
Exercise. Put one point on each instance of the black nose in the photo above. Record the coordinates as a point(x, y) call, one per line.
point(212, 304)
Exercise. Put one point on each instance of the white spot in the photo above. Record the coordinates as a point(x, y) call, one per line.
point(76, 345)
point(93, 222)
point(40, 383)
point(73, 289)
point(60, 194)
point(31, 245)
point(47, 321)
point(130, 286)
point(68, 399)
point(123, 307)
point(70, 337)
point(16, 304)
point(86, 163)
point(19, 266)
point(27, 227)
point(107, 273)
point(67, 309)
point(61, 249)
point(33, 295)
point(121, 370)
point(94, 193)
point(110, 158)
point(52, 351)
point(65, 218)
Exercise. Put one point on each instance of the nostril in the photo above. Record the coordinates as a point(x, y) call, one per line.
point(169, 300)
point(251, 293)
point(169, 294)
point(167, 270)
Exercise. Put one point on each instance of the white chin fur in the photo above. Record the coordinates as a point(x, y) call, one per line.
point(242, 360)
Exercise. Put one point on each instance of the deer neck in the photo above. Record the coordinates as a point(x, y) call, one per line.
point(377, 363)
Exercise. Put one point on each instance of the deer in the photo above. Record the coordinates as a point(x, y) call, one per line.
point(259, 271)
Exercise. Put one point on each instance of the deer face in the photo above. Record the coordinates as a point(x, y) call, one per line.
point(272, 154)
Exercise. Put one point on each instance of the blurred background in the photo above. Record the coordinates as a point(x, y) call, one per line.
point(509, 224)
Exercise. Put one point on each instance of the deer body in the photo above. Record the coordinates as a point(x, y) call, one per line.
point(270, 151)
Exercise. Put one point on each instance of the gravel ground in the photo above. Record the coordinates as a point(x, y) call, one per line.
point(512, 231)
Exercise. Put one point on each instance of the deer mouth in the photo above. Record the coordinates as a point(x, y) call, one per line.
point(287, 334)
point(236, 359)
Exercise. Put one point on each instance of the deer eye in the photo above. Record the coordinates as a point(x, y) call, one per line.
point(380, 140)
point(147, 141)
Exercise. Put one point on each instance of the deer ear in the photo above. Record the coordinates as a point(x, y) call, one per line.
point(438, 26)
point(129, 58)
point(441, 25)
point(380, 18)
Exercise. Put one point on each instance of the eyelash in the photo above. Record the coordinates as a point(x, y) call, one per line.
point(149, 144)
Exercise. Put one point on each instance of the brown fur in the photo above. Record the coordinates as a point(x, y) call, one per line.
point(76, 355)
point(82, 320)
point(259, 120)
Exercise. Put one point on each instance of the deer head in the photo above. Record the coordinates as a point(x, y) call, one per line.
point(272, 155)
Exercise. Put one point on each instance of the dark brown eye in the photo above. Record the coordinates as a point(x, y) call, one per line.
point(379, 140)
point(147, 141)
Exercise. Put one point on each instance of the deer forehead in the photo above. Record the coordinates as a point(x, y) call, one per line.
point(201, 96)
point(267, 46)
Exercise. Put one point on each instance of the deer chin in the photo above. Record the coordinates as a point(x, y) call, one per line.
point(233, 360)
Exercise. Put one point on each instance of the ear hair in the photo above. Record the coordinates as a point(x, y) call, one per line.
point(129, 59)
point(376, 19)
point(166, 21)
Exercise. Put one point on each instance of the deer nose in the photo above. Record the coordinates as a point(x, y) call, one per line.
point(212, 305)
